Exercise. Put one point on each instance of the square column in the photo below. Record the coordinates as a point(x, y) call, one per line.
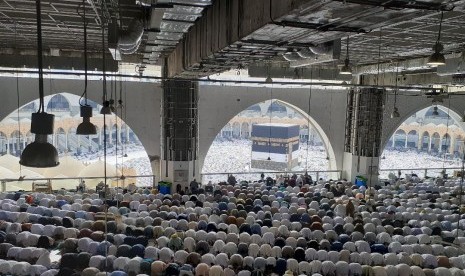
point(180, 133)
point(363, 133)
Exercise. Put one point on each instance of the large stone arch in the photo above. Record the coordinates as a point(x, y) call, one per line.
point(217, 108)
point(144, 100)
point(407, 107)
point(232, 100)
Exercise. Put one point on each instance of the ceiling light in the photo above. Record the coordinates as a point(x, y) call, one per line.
point(112, 105)
point(40, 153)
point(268, 79)
point(269, 158)
point(346, 69)
point(86, 127)
point(435, 111)
point(395, 113)
point(437, 58)
point(106, 109)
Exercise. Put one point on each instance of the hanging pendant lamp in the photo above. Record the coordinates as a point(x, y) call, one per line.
point(40, 153)
point(346, 69)
point(86, 127)
point(437, 58)
point(395, 111)
point(106, 110)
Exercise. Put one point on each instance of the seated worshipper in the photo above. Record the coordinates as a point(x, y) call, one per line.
point(194, 187)
point(231, 180)
point(350, 209)
point(307, 178)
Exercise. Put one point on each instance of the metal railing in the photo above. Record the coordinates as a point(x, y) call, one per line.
point(421, 172)
point(250, 176)
point(70, 183)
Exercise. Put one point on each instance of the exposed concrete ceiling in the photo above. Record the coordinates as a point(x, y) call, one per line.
point(203, 37)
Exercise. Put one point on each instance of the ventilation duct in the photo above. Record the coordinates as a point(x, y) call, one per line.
point(323, 49)
point(306, 53)
point(124, 42)
point(292, 56)
point(326, 52)
point(129, 40)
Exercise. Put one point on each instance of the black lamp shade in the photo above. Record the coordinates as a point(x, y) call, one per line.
point(436, 59)
point(86, 127)
point(395, 113)
point(106, 108)
point(39, 154)
point(346, 69)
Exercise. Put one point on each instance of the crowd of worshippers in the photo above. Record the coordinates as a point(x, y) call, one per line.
point(328, 228)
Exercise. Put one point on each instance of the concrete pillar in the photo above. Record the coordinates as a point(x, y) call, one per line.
point(7, 145)
point(66, 141)
point(363, 129)
point(127, 134)
point(179, 161)
point(451, 144)
point(420, 142)
point(406, 141)
point(430, 143)
point(440, 145)
point(118, 134)
point(110, 135)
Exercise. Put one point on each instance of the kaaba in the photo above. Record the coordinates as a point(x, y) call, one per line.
point(275, 146)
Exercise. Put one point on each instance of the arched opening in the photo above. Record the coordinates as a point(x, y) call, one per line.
point(400, 139)
point(412, 139)
point(236, 130)
point(458, 146)
point(433, 140)
point(87, 149)
point(425, 140)
point(247, 154)
point(245, 133)
point(58, 103)
point(445, 143)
